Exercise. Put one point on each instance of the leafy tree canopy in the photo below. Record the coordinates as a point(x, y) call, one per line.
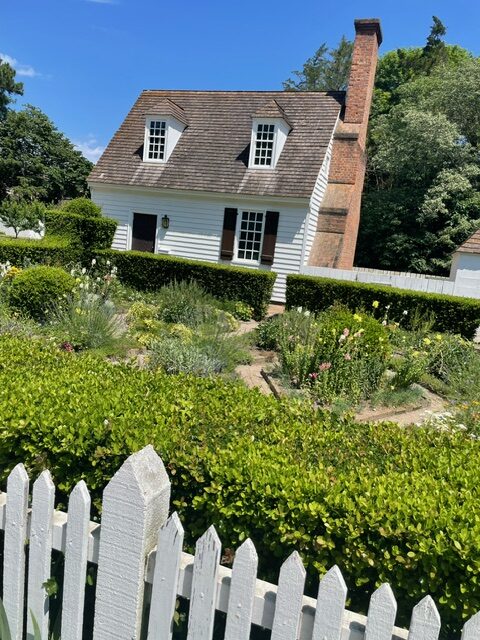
point(326, 70)
point(37, 161)
point(21, 215)
point(8, 86)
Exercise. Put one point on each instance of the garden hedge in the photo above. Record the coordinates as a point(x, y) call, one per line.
point(386, 503)
point(50, 250)
point(146, 271)
point(451, 313)
point(88, 234)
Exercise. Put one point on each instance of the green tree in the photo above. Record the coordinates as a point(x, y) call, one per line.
point(21, 215)
point(326, 70)
point(38, 161)
point(8, 86)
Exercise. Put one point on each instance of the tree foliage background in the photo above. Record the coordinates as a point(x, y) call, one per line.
point(37, 162)
point(422, 190)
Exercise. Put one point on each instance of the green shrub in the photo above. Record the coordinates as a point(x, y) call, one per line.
point(150, 272)
point(82, 207)
point(34, 291)
point(185, 303)
point(452, 314)
point(173, 355)
point(385, 503)
point(268, 333)
point(338, 353)
point(50, 251)
point(87, 234)
point(239, 310)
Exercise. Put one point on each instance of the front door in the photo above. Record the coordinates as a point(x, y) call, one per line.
point(144, 232)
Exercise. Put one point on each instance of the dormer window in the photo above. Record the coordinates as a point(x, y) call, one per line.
point(264, 142)
point(270, 128)
point(163, 129)
point(157, 139)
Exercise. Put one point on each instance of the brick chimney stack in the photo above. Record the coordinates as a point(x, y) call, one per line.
point(339, 216)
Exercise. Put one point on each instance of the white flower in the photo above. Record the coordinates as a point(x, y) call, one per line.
point(94, 262)
point(384, 323)
point(106, 422)
point(299, 309)
point(108, 263)
point(84, 271)
point(80, 286)
point(405, 312)
point(306, 313)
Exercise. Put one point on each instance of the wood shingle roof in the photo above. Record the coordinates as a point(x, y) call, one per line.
point(472, 244)
point(212, 153)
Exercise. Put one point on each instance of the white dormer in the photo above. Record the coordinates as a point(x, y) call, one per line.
point(270, 128)
point(163, 128)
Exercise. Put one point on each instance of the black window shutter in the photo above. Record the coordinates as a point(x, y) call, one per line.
point(269, 237)
point(228, 235)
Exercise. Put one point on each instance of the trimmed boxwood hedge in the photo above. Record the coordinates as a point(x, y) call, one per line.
point(89, 234)
point(50, 250)
point(452, 313)
point(386, 503)
point(146, 271)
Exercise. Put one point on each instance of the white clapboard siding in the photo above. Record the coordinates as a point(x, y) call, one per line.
point(381, 614)
point(14, 549)
point(40, 553)
point(165, 581)
point(76, 551)
point(135, 505)
point(425, 622)
point(204, 586)
point(288, 605)
point(332, 593)
point(242, 593)
point(196, 225)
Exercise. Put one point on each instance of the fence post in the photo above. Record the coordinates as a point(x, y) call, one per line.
point(135, 506)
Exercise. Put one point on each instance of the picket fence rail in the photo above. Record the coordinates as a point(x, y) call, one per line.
point(137, 543)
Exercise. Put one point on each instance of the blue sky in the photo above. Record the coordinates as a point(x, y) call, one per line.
point(84, 61)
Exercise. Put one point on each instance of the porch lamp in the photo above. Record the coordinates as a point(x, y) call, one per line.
point(165, 222)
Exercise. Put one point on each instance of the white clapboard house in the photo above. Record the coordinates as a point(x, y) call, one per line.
point(263, 179)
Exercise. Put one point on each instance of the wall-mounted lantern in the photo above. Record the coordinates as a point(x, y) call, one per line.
point(165, 222)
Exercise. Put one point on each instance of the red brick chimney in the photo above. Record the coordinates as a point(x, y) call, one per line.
point(339, 216)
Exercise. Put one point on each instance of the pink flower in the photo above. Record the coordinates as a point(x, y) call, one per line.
point(346, 332)
point(347, 356)
point(325, 366)
point(67, 346)
point(313, 376)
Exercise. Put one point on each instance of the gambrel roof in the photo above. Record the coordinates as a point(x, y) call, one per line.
point(212, 152)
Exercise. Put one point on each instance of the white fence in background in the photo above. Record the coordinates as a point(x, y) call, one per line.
point(466, 283)
point(137, 544)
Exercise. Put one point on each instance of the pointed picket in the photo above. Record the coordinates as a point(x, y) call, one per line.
point(76, 551)
point(242, 593)
point(332, 594)
point(288, 605)
point(425, 622)
point(165, 579)
point(40, 553)
point(204, 586)
point(381, 614)
point(14, 549)
point(471, 629)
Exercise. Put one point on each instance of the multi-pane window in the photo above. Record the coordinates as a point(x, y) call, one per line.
point(156, 139)
point(250, 235)
point(264, 144)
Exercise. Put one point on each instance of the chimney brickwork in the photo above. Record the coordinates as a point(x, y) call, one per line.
point(339, 216)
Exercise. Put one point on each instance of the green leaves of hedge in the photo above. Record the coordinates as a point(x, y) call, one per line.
point(386, 503)
point(146, 271)
point(452, 314)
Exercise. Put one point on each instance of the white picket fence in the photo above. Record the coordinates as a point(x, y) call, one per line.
point(137, 543)
point(466, 283)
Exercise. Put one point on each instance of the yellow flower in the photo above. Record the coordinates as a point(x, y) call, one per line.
point(438, 337)
point(427, 341)
point(357, 317)
point(375, 304)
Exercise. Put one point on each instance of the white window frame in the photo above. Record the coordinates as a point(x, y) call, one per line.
point(238, 230)
point(253, 145)
point(146, 141)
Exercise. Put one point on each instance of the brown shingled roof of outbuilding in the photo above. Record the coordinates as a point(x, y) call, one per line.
point(212, 153)
point(472, 244)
